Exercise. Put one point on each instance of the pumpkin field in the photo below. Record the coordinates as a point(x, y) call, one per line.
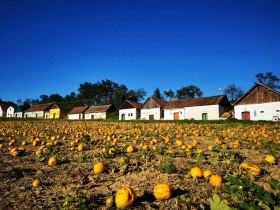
point(60, 164)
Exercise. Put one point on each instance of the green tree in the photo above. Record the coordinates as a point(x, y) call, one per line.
point(268, 79)
point(233, 92)
point(157, 93)
point(55, 98)
point(169, 94)
point(136, 95)
point(190, 91)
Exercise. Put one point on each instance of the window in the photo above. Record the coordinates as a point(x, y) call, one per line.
point(255, 113)
point(277, 110)
point(262, 111)
point(131, 114)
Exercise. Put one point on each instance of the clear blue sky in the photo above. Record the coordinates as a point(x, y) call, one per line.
point(52, 46)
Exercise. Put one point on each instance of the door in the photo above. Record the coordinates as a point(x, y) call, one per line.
point(204, 116)
point(151, 117)
point(92, 117)
point(245, 115)
point(123, 116)
point(176, 115)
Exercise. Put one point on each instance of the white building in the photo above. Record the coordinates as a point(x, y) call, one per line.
point(152, 109)
point(97, 112)
point(258, 103)
point(205, 108)
point(77, 113)
point(11, 111)
point(129, 110)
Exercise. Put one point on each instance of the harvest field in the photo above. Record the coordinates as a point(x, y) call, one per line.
point(244, 156)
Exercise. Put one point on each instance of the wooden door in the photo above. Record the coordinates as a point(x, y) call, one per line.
point(123, 116)
point(245, 115)
point(92, 117)
point(176, 115)
point(151, 117)
point(204, 116)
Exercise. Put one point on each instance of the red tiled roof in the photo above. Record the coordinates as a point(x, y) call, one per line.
point(39, 107)
point(159, 101)
point(78, 110)
point(135, 104)
point(189, 102)
point(98, 109)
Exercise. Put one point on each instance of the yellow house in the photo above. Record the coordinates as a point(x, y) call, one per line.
point(56, 112)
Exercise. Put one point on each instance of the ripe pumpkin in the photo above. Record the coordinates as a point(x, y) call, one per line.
point(110, 201)
point(36, 183)
point(244, 166)
point(81, 147)
point(196, 172)
point(207, 173)
point(270, 159)
point(215, 180)
point(162, 191)
point(52, 161)
point(254, 170)
point(130, 149)
point(125, 197)
point(99, 168)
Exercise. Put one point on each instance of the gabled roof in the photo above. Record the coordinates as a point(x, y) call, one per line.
point(98, 109)
point(39, 107)
point(78, 110)
point(190, 102)
point(252, 88)
point(5, 107)
point(160, 102)
point(132, 103)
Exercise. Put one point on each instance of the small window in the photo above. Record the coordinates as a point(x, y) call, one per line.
point(262, 111)
point(131, 114)
point(277, 110)
point(255, 113)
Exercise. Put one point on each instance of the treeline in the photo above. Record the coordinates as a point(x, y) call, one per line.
point(109, 92)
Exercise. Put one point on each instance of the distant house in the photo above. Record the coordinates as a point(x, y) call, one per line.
point(152, 109)
point(129, 110)
point(77, 113)
point(205, 108)
point(97, 112)
point(19, 111)
point(39, 111)
point(57, 111)
point(11, 110)
point(258, 103)
point(3, 109)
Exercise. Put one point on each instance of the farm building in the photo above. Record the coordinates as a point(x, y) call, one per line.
point(97, 112)
point(3, 109)
point(11, 110)
point(205, 108)
point(77, 113)
point(57, 111)
point(39, 111)
point(258, 103)
point(129, 110)
point(19, 111)
point(152, 109)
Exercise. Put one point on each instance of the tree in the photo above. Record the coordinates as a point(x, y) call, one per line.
point(190, 91)
point(233, 92)
point(157, 93)
point(119, 96)
point(268, 79)
point(55, 98)
point(136, 95)
point(169, 94)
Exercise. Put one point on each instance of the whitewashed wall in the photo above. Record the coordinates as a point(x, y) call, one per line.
point(75, 116)
point(264, 111)
point(169, 113)
point(146, 112)
point(10, 111)
point(18, 115)
point(130, 114)
point(197, 111)
point(101, 115)
point(2, 114)
point(38, 114)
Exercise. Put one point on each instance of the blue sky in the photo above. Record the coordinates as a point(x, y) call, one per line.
point(52, 46)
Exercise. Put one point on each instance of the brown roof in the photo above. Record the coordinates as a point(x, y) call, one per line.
point(189, 102)
point(98, 109)
point(159, 101)
point(39, 107)
point(135, 104)
point(5, 107)
point(78, 110)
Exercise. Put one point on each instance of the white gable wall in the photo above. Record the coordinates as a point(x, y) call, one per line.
point(264, 111)
point(169, 113)
point(145, 113)
point(99, 115)
point(196, 112)
point(130, 114)
point(18, 115)
point(2, 114)
point(10, 111)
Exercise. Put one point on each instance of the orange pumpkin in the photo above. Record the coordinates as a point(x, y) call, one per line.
point(125, 197)
point(162, 191)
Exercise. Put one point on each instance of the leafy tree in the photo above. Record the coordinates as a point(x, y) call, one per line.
point(190, 91)
point(44, 99)
point(233, 92)
point(55, 98)
point(157, 93)
point(268, 79)
point(169, 94)
point(136, 95)
point(119, 96)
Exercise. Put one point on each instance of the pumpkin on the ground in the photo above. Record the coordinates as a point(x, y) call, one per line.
point(162, 191)
point(125, 197)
